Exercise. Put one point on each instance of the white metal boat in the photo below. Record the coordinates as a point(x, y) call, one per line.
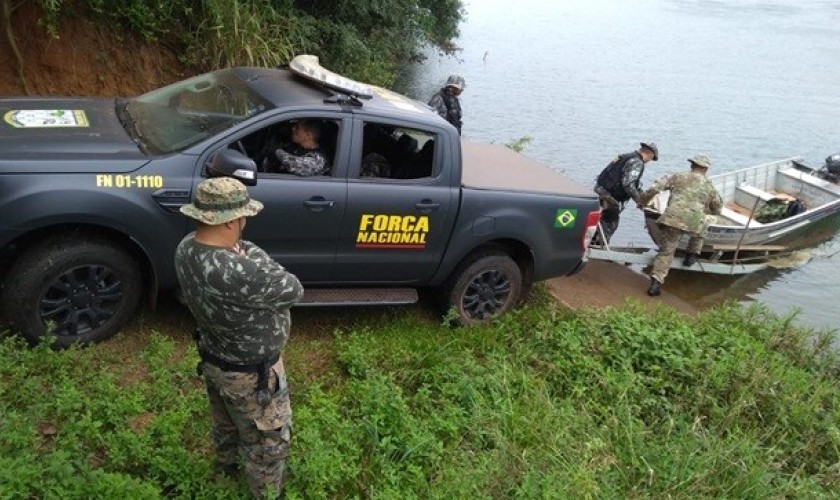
point(745, 193)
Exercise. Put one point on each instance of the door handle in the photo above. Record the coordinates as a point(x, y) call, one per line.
point(318, 203)
point(427, 206)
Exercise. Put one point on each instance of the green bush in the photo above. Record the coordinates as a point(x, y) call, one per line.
point(366, 40)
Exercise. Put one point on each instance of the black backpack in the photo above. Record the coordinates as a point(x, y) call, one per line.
point(795, 207)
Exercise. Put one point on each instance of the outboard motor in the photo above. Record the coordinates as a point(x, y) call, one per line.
point(832, 163)
point(232, 163)
point(831, 170)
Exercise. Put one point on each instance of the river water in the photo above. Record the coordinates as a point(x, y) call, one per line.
point(744, 81)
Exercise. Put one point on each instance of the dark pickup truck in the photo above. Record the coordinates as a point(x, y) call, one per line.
point(90, 191)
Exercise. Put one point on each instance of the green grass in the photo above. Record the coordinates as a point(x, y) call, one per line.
point(388, 403)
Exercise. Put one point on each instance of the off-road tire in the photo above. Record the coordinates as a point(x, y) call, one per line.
point(81, 291)
point(483, 287)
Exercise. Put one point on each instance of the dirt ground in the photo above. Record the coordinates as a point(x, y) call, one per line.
point(603, 284)
point(81, 59)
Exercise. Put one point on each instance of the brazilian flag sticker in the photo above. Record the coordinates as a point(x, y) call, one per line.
point(565, 218)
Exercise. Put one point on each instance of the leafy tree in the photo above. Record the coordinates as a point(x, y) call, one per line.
point(371, 37)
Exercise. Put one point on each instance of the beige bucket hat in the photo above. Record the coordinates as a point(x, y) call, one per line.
point(221, 200)
point(701, 161)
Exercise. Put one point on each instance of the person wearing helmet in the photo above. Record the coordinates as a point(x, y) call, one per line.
point(446, 103)
point(693, 197)
point(620, 181)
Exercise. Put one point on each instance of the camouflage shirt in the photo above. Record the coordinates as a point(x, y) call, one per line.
point(301, 161)
point(240, 302)
point(692, 197)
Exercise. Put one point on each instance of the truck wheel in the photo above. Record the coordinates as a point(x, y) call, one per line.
point(483, 287)
point(80, 291)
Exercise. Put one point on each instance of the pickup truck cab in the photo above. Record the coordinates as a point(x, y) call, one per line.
point(91, 190)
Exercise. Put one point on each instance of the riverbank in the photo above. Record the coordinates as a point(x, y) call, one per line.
point(631, 401)
point(603, 284)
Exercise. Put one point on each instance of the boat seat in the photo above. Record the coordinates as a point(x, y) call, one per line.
point(810, 179)
point(757, 193)
point(738, 218)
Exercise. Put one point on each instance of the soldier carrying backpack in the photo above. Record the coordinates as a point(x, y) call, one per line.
point(619, 182)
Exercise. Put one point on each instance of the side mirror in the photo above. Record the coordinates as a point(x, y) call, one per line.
point(232, 163)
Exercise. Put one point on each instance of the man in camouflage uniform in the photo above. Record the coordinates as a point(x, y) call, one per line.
point(302, 156)
point(692, 198)
point(446, 103)
point(618, 182)
point(240, 299)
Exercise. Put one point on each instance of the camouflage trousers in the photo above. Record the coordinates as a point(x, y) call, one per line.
point(245, 429)
point(610, 215)
point(669, 239)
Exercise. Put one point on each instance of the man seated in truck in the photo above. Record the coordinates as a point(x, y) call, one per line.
point(302, 156)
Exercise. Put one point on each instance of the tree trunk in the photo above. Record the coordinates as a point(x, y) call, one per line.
point(6, 11)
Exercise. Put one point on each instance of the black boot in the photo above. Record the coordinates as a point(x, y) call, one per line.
point(690, 259)
point(655, 288)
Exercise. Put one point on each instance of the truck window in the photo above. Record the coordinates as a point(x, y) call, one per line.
point(390, 152)
point(180, 115)
point(302, 147)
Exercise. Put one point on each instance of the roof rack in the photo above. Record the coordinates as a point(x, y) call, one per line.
point(307, 66)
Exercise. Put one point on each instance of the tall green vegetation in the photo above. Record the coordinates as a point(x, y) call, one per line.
point(366, 39)
point(545, 403)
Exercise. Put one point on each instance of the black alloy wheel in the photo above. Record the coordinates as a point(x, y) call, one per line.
point(78, 290)
point(81, 300)
point(486, 294)
point(484, 287)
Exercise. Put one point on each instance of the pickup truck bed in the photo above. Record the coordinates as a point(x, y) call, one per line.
point(489, 166)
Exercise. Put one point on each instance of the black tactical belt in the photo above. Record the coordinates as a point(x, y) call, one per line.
point(262, 370)
point(227, 366)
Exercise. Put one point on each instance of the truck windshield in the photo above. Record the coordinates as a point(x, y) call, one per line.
point(177, 116)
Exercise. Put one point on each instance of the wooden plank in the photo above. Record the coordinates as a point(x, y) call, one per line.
point(738, 208)
point(782, 196)
point(738, 218)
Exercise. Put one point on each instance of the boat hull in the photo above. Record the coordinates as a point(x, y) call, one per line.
point(768, 233)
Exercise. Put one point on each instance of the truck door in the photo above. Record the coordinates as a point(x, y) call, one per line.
point(301, 219)
point(399, 205)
